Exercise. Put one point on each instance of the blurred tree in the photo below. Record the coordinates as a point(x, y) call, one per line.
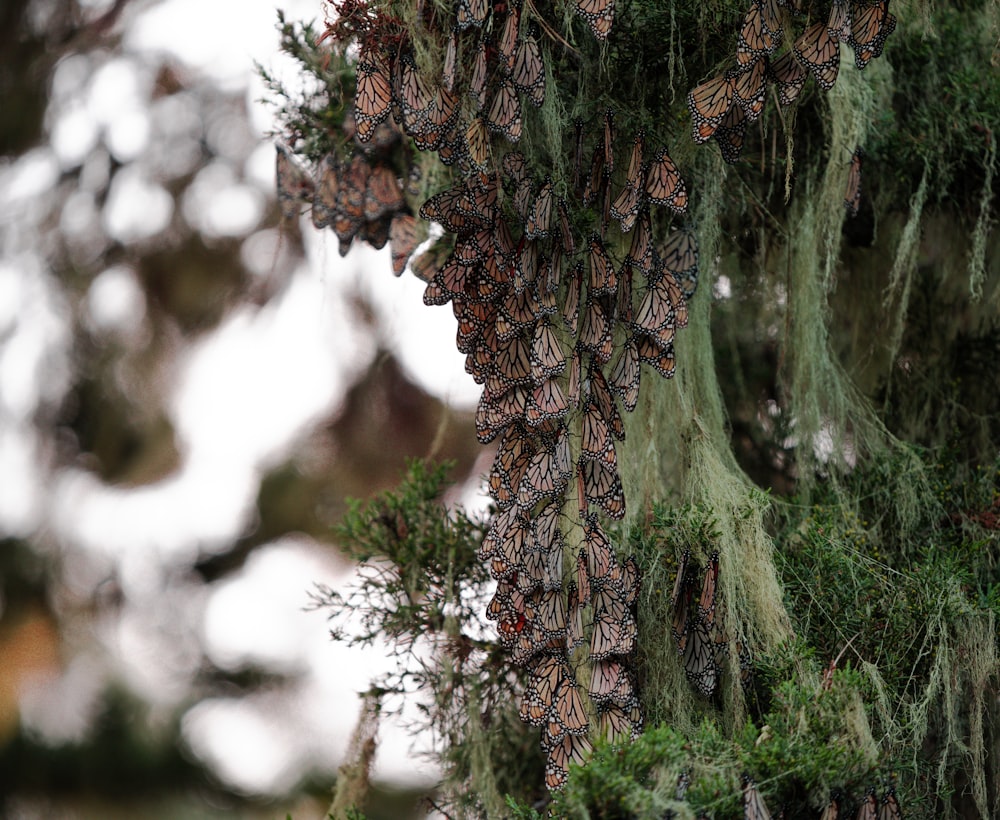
point(117, 261)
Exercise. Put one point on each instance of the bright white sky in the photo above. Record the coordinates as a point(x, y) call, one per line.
point(241, 398)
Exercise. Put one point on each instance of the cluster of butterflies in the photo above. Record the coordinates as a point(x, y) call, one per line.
point(754, 807)
point(360, 198)
point(698, 629)
point(722, 107)
point(503, 65)
point(540, 315)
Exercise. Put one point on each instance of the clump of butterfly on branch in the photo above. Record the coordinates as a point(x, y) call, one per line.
point(564, 290)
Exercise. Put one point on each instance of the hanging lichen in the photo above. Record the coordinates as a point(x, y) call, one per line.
point(557, 148)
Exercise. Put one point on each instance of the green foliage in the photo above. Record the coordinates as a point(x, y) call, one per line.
point(945, 100)
point(310, 118)
point(422, 589)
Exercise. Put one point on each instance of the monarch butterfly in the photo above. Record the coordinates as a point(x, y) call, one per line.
point(473, 319)
point(789, 75)
point(373, 96)
point(614, 626)
point(294, 184)
point(546, 403)
point(567, 244)
point(450, 56)
point(681, 601)
point(537, 224)
point(609, 142)
point(656, 316)
point(505, 111)
point(529, 71)
point(596, 331)
point(749, 89)
point(683, 781)
point(547, 611)
point(593, 187)
point(553, 570)
point(632, 175)
point(574, 621)
point(348, 217)
point(507, 599)
point(852, 197)
point(518, 312)
point(547, 357)
point(597, 443)
point(544, 527)
point(403, 240)
point(413, 96)
point(624, 378)
point(472, 249)
point(709, 103)
point(493, 415)
point(477, 143)
point(512, 458)
point(603, 487)
point(375, 233)
point(661, 358)
point(730, 133)
point(625, 276)
point(511, 366)
point(471, 13)
point(452, 279)
point(839, 23)
point(770, 13)
point(547, 474)
point(293, 188)
point(602, 269)
point(601, 393)
point(571, 307)
point(599, 14)
point(426, 265)
point(679, 256)
point(664, 184)
point(640, 252)
point(454, 147)
point(477, 84)
point(820, 53)
point(575, 378)
point(598, 552)
point(441, 114)
point(620, 724)
point(443, 208)
point(756, 40)
point(629, 582)
point(609, 682)
point(625, 208)
point(545, 675)
point(754, 807)
point(507, 44)
point(869, 31)
point(709, 589)
point(867, 24)
point(869, 806)
point(832, 809)
point(508, 525)
point(568, 717)
point(506, 552)
point(570, 750)
point(890, 806)
point(383, 193)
